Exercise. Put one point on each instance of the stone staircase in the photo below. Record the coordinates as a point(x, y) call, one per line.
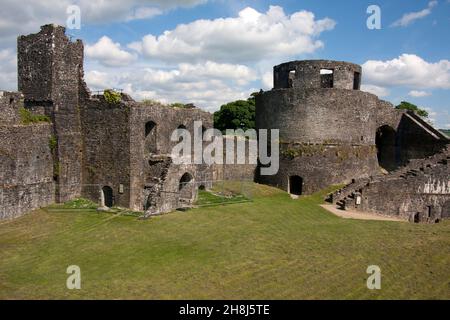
point(414, 168)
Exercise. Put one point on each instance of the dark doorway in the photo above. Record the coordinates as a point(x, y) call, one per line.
point(295, 185)
point(356, 81)
point(150, 137)
point(107, 196)
point(385, 142)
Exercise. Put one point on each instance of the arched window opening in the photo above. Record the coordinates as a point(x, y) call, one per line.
point(186, 186)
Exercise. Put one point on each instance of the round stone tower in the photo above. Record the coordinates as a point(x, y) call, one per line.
point(326, 124)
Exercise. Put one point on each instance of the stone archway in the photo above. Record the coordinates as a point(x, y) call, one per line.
point(385, 141)
point(186, 187)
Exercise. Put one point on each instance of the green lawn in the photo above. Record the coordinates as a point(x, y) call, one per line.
point(272, 247)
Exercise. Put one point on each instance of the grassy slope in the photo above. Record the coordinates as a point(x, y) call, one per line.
point(273, 247)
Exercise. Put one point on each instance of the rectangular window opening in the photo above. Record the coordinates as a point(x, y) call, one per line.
point(291, 78)
point(356, 81)
point(326, 78)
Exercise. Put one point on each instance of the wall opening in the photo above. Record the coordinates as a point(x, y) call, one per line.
point(356, 81)
point(185, 186)
point(151, 137)
point(385, 143)
point(429, 210)
point(291, 78)
point(295, 185)
point(107, 198)
point(181, 127)
point(326, 78)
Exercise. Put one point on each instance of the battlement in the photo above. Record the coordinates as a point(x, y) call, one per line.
point(308, 74)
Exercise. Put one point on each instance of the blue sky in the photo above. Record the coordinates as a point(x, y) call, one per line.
point(226, 49)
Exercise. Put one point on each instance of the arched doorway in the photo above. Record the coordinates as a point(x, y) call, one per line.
point(295, 185)
point(186, 187)
point(385, 143)
point(150, 137)
point(107, 196)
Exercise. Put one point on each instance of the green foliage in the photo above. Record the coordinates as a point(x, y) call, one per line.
point(238, 114)
point(112, 96)
point(52, 142)
point(27, 117)
point(304, 150)
point(405, 105)
point(180, 105)
point(149, 102)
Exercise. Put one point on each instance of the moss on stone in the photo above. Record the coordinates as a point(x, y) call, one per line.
point(112, 96)
point(27, 117)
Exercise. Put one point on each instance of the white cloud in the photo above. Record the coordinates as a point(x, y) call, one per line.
point(419, 93)
point(109, 53)
point(8, 70)
point(26, 17)
point(267, 80)
point(251, 36)
point(410, 17)
point(408, 70)
point(207, 85)
point(376, 90)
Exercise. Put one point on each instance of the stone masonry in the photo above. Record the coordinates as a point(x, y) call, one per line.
point(118, 152)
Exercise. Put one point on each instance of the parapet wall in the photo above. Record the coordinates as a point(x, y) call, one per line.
point(306, 74)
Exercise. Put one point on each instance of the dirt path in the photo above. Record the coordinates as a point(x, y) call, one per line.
point(350, 214)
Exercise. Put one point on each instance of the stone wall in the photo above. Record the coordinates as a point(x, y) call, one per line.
point(419, 192)
point(153, 175)
point(50, 70)
point(106, 150)
point(306, 74)
point(26, 169)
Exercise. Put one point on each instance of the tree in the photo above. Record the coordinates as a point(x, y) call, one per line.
point(404, 105)
point(238, 114)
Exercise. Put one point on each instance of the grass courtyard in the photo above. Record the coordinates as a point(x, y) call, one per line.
point(272, 247)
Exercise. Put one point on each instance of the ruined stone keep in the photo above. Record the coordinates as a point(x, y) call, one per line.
point(332, 133)
point(118, 152)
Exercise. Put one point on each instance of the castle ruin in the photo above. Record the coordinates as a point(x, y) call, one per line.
point(118, 153)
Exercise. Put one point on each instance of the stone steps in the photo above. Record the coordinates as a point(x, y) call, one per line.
point(413, 169)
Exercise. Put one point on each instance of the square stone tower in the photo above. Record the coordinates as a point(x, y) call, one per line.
point(50, 73)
